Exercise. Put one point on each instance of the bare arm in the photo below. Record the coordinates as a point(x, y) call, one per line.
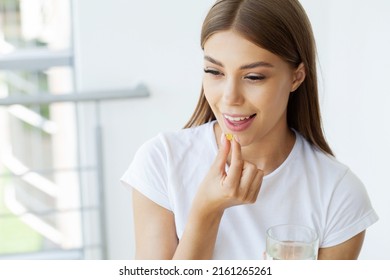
point(348, 250)
point(155, 231)
point(155, 227)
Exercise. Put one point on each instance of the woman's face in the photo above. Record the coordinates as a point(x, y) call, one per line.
point(247, 86)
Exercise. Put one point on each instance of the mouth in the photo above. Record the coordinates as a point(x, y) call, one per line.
point(238, 122)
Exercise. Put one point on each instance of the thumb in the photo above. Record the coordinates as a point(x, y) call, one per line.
point(223, 153)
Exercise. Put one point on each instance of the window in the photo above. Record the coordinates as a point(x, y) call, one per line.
point(49, 196)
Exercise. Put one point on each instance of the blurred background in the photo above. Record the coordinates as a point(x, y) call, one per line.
point(84, 83)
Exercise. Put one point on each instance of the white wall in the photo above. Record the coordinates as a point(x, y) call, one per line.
point(353, 42)
point(120, 42)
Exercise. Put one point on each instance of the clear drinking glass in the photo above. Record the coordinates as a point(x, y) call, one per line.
point(291, 242)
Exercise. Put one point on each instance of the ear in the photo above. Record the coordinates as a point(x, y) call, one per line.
point(298, 77)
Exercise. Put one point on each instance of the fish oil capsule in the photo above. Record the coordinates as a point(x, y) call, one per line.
point(229, 136)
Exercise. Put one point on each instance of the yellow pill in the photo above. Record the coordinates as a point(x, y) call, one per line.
point(229, 136)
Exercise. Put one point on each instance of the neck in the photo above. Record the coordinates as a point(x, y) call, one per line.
point(267, 153)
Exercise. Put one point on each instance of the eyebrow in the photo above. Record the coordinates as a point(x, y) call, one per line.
point(243, 67)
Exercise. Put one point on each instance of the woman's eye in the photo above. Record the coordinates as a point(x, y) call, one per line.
point(255, 77)
point(212, 72)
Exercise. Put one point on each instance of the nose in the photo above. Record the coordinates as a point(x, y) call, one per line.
point(232, 94)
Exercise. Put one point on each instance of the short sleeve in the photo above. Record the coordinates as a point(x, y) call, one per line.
point(350, 211)
point(147, 172)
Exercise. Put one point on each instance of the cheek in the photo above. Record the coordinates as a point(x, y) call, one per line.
point(211, 91)
point(281, 89)
point(271, 98)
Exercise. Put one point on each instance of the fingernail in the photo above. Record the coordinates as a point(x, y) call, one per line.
point(237, 139)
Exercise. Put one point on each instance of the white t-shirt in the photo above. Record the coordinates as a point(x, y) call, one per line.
point(310, 188)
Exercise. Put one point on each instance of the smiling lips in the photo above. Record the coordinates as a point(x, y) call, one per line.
point(238, 122)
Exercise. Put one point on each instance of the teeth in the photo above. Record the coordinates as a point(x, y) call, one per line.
point(236, 119)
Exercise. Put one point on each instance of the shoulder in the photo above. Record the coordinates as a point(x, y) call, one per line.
point(319, 162)
point(166, 157)
point(201, 132)
point(338, 182)
point(342, 198)
point(172, 143)
point(328, 173)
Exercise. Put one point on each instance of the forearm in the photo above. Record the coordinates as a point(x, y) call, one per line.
point(199, 237)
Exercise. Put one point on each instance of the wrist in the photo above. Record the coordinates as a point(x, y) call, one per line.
point(204, 209)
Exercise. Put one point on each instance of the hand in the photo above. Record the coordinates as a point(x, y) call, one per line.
point(218, 191)
point(240, 185)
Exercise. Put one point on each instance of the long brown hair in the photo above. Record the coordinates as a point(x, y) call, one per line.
point(283, 28)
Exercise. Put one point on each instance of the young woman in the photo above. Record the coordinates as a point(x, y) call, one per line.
point(198, 195)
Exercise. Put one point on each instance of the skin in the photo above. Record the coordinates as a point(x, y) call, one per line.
point(240, 78)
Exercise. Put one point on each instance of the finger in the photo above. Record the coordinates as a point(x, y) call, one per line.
point(223, 153)
point(236, 150)
point(249, 173)
point(233, 177)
